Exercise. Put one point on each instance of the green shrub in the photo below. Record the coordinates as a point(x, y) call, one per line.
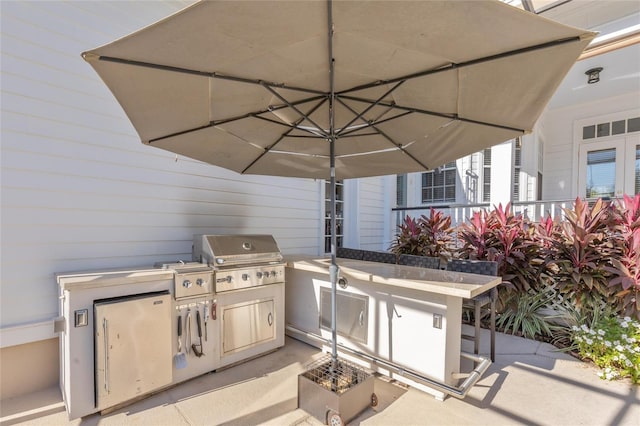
point(524, 314)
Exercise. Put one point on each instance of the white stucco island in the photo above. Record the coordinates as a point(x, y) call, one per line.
point(409, 316)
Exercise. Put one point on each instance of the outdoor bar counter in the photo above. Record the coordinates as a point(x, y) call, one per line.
point(406, 315)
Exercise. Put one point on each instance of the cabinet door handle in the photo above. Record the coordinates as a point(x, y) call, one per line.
point(105, 333)
point(270, 318)
point(361, 318)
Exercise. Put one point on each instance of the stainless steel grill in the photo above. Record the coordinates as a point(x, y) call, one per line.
point(234, 250)
point(240, 261)
point(248, 293)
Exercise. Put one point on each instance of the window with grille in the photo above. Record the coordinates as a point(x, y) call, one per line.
point(339, 215)
point(619, 127)
point(440, 185)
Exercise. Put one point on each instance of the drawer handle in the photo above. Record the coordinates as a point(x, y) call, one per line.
point(270, 318)
point(105, 335)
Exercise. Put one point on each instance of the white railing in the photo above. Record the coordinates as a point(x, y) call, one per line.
point(533, 210)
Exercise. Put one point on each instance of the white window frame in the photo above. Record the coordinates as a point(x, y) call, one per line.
point(625, 152)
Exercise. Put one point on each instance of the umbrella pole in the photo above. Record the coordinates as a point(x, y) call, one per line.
point(333, 269)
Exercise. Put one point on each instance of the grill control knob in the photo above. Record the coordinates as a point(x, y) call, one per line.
point(245, 277)
point(274, 274)
point(186, 284)
point(259, 274)
point(229, 278)
point(200, 282)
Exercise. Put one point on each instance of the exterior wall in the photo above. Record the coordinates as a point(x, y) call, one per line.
point(501, 169)
point(367, 212)
point(80, 192)
point(560, 161)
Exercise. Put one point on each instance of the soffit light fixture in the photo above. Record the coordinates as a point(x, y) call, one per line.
point(593, 75)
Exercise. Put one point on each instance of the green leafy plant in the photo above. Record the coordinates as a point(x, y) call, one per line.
point(524, 314)
point(613, 344)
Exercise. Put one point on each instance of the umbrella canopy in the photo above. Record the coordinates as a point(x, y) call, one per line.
point(344, 89)
point(248, 85)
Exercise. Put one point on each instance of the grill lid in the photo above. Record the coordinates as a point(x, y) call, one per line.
point(231, 250)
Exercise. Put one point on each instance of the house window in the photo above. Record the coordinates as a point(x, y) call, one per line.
point(601, 173)
point(486, 175)
point(339, 215)
point(440, 185)
point(619, 127)
point(517, 163)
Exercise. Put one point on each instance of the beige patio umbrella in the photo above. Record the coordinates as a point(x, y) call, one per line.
point(336, 90)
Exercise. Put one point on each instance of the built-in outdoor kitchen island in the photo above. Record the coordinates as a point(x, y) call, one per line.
point(127, 333)
point(405, 315)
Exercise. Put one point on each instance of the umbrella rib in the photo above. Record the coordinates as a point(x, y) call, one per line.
point(367, 109)
point(211, 74)
point(282, 136)
point(290, 126)
point(296, 123)
point(437, 114)
point(255, 114)
point(387, 137)
point(453, 66)
point(293, 107)
point(375, 122)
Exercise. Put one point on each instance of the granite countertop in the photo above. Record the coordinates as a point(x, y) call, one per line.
point(437, 281)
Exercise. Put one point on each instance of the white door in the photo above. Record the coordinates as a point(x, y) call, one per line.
point(609, 168)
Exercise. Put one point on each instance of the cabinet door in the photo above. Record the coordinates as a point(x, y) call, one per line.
point(245, 325)
point(352, 314)
point(133, 347)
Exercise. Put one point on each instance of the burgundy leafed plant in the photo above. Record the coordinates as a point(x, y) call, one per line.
point(580, 251)
point(626, 260)
point(426, 236)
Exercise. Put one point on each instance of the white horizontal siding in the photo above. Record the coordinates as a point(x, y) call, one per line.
point(560, 162)
point(372, 213)
point(80, 192)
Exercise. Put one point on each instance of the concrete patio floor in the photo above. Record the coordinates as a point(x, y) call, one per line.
point(530, 383)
